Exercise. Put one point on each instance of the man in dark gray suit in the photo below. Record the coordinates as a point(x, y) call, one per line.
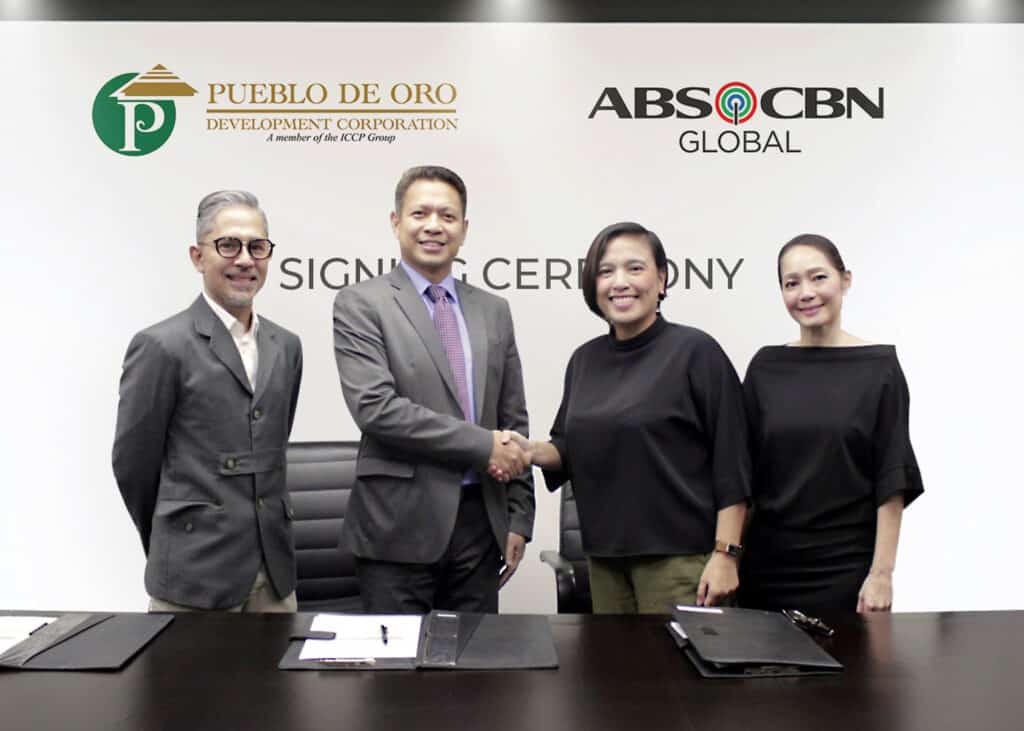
point(207, 400)
point(431, 373)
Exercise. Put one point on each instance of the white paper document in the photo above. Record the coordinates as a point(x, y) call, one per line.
point(15, 629)
point(364, 637)
point(702, 610)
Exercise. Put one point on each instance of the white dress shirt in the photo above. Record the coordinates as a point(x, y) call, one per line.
point(245, 340)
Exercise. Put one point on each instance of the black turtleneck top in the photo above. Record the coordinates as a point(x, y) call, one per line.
point(651, 432)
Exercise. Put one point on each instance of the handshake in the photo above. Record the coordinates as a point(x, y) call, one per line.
point(511, 455)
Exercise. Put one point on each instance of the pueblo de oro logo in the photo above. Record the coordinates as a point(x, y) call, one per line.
point(134, 113)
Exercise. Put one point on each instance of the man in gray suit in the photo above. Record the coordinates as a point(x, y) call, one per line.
point(430, 372)
point(207, 400)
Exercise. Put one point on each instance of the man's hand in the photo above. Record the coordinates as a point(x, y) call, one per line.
point(875, 593)
point(508, 459)
point(524, 444)
point(719, 580)
point(515, 547)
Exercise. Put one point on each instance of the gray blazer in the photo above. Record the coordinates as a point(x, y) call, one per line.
point(200, 458)
point(416, 445)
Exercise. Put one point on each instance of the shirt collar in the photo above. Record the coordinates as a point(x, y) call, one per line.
point(421, 283)
point(232, 323)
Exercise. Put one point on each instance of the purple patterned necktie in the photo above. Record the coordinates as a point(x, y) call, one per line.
point(448, 328)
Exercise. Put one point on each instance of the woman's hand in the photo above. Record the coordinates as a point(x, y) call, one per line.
point(875, 593)
point(543, 454)
point(719, 581)
point(522, 444)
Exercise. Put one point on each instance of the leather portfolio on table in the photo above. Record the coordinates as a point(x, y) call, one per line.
point(445, 640)
point(727, 642)
point(85, 641)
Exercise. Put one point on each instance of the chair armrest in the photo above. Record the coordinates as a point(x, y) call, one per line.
point(555, 560)
point(565, 580)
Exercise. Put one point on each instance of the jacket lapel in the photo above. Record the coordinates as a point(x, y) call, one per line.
point(476, 324)
point(269, 353)
point(411, 303)
point(222, 345)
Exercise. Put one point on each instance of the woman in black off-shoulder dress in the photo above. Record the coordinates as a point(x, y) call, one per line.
point(833, 464)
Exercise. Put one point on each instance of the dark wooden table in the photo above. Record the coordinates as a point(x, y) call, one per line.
point(962, 671)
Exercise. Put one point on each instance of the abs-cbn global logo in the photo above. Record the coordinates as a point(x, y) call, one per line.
point(735, 104)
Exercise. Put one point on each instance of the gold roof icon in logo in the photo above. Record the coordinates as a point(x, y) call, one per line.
point(155, 83)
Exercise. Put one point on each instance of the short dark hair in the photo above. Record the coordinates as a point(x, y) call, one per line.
point(429, 172)
point(815, 241)
point(596, 252)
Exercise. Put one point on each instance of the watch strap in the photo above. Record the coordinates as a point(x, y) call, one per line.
point(730, 549)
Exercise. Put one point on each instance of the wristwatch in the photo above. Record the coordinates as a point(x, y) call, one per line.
point(730, 549)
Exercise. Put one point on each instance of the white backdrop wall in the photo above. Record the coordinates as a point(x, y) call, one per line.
point(924, 203)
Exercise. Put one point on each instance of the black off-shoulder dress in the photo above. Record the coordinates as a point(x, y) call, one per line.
point(830, 443)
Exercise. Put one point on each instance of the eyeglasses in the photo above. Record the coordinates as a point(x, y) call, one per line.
point(229, 247)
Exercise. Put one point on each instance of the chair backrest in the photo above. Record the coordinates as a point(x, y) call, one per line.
point(570, 546)
point(320, 479)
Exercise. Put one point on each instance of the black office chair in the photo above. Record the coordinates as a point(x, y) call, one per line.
point(572, 577)
point(320, 479)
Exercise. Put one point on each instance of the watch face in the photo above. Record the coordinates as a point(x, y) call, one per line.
point(730, 548)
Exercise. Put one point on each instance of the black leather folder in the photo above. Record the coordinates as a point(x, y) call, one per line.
point(749, 643)
point(455, 641)
point(504, 642)
point(78, 641)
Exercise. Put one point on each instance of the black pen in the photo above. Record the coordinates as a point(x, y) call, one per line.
point(384, 633)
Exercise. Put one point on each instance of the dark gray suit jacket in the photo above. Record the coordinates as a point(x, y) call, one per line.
point(200, 458)
point(416, 445)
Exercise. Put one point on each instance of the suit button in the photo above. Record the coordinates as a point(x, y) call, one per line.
point(257, 414)
point(231, 463)
point(259, 502)
point(188, 527)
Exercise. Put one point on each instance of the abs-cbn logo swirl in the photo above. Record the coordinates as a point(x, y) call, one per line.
point(737, 103)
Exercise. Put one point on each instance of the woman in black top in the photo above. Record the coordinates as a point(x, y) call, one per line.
point(833, 464)
point(651, 432)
